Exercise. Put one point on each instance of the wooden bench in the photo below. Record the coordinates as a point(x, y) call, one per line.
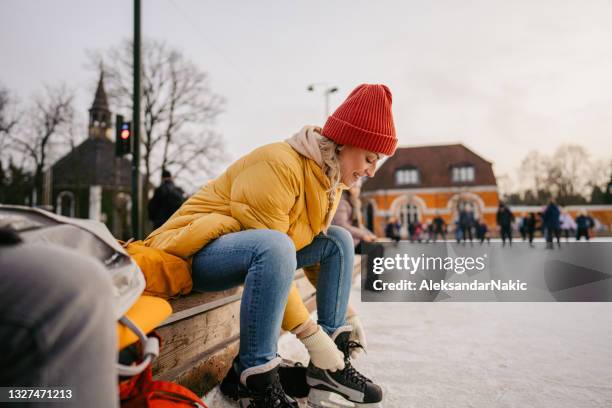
point(201, 338)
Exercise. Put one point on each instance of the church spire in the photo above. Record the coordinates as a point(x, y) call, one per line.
point(99, 114)
point(100, 101)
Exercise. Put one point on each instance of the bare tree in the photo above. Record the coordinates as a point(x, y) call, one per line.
point(504, 185)
point(179, 108)
point(45, 124)
point(568, 173)
point(600, 173)
point(8, 116)
point(533, 171)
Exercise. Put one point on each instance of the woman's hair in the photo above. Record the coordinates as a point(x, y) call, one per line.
point(331, 165)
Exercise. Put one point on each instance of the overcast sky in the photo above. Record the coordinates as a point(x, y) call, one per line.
point(502, 77)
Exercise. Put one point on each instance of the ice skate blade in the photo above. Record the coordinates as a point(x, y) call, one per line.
point(327, 399)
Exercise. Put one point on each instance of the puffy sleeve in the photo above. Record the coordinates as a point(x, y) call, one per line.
point(262, 196)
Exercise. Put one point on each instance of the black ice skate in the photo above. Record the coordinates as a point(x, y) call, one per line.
point(355, 389)
point(292, 376)
point(260, 387)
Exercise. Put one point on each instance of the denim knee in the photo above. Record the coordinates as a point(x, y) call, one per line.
point(277, 247)
point(343, 239)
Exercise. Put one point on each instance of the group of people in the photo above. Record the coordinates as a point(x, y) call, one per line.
point(467, 225)
point(434, 230)
point(552, 221)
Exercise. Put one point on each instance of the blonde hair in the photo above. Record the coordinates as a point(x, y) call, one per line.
point(331, 165)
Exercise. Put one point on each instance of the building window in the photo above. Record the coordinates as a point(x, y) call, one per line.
point(463, 174)
point(407, 176)
point(409, 214)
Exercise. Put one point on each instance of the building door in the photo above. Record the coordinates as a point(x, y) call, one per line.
point(409, 214)
point(65, 204)
point(466, 205)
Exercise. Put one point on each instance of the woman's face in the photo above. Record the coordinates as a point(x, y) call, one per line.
point(356, 163)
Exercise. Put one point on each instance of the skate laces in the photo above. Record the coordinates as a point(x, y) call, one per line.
point(352, 375)
point(352, 344)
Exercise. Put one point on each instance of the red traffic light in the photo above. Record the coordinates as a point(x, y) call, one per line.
point(123, 137)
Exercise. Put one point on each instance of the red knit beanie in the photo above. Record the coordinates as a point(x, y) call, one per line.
point(364, 120)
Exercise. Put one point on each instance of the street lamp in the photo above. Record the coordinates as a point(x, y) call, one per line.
point(328, 91)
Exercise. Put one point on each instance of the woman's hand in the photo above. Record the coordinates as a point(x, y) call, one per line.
point(323, 351)
point(369, 238)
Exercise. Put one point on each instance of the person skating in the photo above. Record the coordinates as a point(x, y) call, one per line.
point(505, 218)
point(522, 229)
point(411, 230)
point(429, 229)
point(417, 231)
point(567, 225)
point(482, 232)
point(530, 227)
point(583, 223)
point(550, 223)
point(466, 222)
point(439, 228)
point(458, 231)
point(268, 214)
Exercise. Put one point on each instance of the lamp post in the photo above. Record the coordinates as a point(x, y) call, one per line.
point(136, 94)
point(328, 91)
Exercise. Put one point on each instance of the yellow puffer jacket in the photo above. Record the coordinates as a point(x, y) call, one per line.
point(273, 187)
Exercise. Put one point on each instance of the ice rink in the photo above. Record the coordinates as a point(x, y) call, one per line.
point(482, 354)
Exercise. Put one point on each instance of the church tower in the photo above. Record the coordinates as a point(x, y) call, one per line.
point(99, 114)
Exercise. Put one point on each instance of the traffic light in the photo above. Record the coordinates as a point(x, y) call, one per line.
point(123, 137)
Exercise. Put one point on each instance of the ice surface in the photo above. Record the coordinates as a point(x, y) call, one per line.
point(482, 354)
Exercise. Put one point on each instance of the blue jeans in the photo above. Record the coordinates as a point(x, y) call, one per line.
point(265, 262)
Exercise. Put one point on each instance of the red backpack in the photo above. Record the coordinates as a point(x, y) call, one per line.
point(141, 390)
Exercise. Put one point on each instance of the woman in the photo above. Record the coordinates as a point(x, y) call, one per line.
point(269, 214)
